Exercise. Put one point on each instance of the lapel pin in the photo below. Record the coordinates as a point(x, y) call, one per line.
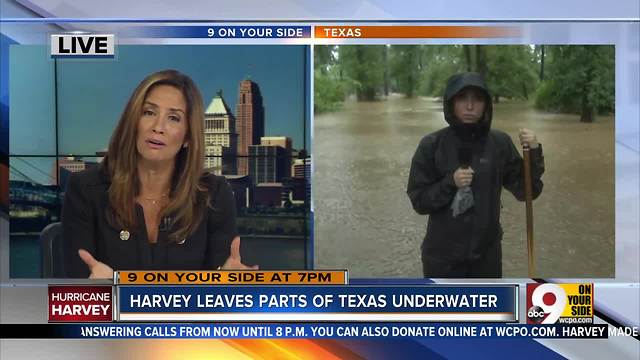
point(124, 235)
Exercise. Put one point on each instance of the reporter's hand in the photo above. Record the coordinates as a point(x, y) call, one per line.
point(98, 270)
point(234, 261)
point(463, 177)
point(528, 137)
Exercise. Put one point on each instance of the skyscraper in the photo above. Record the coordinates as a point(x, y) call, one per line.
point(267, 163)
point(250, 121)
point(220, 138)
point(301, 170)
point(285, 143)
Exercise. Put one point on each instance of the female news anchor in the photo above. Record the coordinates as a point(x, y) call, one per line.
point(149, 206)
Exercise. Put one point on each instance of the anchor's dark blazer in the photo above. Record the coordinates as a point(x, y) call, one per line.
point(85, 226)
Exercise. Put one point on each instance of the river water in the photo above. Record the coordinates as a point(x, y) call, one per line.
point(364, 221)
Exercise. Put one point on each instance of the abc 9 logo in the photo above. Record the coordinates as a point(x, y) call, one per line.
point(549, 300)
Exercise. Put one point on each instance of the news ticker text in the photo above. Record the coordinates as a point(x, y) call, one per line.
point(317, 331)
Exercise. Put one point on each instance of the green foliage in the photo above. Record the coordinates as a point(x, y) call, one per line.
point(440, 62)
point(511, 71)
point(364, 65)
point(577, 78)
point(323, 57)
point(547, 97)
point(329, 89)
point(581, 79)
point(328, 92)
point(405, 68)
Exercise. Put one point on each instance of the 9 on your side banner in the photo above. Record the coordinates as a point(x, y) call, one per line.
point(229, 277)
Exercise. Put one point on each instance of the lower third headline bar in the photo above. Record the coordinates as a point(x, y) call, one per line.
point(478, 303)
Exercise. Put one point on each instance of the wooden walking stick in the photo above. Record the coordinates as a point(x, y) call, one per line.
point(528, 197)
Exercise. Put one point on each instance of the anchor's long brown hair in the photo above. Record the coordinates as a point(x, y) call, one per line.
point(188, 198)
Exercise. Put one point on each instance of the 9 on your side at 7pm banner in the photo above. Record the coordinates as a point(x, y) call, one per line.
point(226, 277)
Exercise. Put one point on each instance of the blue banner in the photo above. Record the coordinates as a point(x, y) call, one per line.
point(220, 32)
point(280, 303)
point(349, 299)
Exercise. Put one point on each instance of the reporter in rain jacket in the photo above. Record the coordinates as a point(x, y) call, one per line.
point(469, 244)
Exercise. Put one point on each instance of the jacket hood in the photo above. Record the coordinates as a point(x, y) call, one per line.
point(456, 84)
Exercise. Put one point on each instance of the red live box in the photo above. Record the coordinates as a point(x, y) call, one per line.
point(80, 303)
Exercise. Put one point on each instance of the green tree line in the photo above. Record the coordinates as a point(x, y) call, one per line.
point(557, 78)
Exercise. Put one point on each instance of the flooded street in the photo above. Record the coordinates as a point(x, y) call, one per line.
point(364, 221)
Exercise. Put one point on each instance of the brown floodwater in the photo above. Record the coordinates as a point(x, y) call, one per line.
point(364, 221)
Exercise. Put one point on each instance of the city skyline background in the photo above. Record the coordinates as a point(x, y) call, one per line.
point(91, 94)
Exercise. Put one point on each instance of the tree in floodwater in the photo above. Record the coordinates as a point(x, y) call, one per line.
point(364, 66)
point(540, 55)
point(329, 87)
point(475, 58)
point(406, 67)
point(510, 70)
point(579, 79)
point(387, 78)
point(439, 63)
